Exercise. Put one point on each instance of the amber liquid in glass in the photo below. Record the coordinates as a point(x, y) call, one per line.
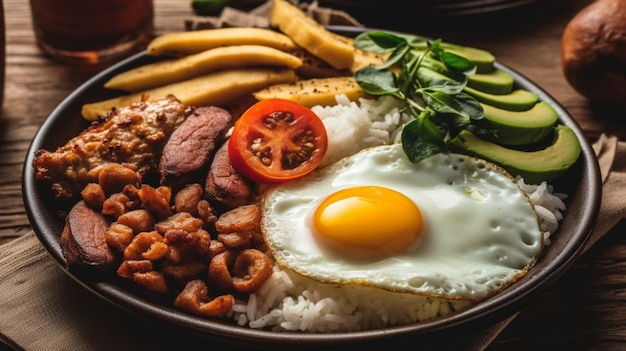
point(92, 31)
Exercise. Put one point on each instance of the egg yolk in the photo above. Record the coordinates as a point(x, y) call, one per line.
point(369, 220)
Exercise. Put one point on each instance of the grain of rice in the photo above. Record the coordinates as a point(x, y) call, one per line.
point(261, 322)
point(251, 310)
point(242, 320)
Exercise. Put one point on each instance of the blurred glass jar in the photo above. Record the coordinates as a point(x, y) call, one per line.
point(92, 31)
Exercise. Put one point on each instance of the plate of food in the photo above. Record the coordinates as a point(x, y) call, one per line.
point(409, 188)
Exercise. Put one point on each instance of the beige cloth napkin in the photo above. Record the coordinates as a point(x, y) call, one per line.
point(258, 17)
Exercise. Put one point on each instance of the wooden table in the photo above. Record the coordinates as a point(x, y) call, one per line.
point(585, 309)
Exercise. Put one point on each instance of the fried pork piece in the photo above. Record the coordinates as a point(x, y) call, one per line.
point(132, 135)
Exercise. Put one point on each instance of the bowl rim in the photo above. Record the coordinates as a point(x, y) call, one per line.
point(481, 315)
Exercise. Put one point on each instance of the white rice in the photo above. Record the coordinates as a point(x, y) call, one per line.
point(352, 127)
point(548, 205)
point(290, 302)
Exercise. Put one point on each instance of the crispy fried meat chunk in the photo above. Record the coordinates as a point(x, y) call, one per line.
point(133, 135)
point(187, 199)
point(194, 246)
point(114, 177)
point(244, 271)
point(153, 281)
point(146, 245)
point(252, 269)
point(195, 299)
point(138, 220)
point(156, 200)
point(242, 218)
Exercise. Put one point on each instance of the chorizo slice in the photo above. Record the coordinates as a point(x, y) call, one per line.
point(83, 240)
point(191, 147)
point(225, 188)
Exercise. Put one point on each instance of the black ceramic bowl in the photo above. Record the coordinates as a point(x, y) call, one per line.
point(582, 184)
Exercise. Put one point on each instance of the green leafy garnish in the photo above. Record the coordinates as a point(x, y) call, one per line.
point(430, 81)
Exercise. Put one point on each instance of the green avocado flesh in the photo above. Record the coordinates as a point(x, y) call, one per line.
point(517, 100)
point(496, 82)
point(523, 123)
point(534, 166)
point(483, 59)
point(521, 127)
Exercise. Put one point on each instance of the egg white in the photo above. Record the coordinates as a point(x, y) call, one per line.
point(482, 231)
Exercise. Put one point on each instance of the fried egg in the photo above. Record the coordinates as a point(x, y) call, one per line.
point(450, 226)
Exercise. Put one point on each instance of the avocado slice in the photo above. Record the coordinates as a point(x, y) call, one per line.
point(521, 127)
point(496, 82)
point(534, 166)
point(483, 59)
point(512, 127)
point(517, 100)
point(438, 69)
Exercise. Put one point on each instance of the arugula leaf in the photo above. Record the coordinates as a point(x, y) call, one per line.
point(430, 82)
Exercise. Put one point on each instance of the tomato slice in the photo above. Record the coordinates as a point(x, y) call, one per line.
point(277, 140)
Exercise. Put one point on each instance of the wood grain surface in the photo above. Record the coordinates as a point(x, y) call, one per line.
point(584, 310)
